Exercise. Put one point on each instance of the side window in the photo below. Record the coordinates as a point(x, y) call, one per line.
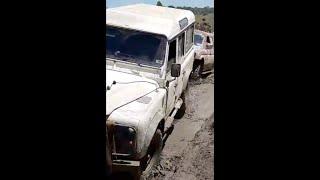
point(208, 40)
point(181, 45)
point(192, 34)
point(189, 38)
point(172, 54)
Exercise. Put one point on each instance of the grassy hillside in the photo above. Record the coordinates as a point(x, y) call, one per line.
point(205, 22)
point(204, 17)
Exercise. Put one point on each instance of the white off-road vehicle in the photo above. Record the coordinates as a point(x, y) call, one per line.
point(149, 58)
point(204, 53)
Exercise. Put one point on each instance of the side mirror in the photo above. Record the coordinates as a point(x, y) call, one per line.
point(175, 70)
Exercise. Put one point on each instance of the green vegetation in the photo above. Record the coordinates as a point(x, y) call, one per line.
point(205, 22)
point(204, 16)
point(199, 11)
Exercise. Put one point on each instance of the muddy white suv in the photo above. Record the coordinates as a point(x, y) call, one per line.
point(150, 56)
point(204, 53)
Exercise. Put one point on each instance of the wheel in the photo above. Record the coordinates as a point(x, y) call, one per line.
point(109, 161)
point(187, 88)
point(182, 109)
point(197, 72)
point(153, 156)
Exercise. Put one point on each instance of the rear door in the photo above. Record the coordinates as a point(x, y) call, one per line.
point(209, 54)
point(188, 55)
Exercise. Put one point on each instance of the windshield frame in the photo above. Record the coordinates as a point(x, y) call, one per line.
point(161, 36)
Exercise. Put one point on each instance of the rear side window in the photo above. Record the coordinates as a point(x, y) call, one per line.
point(181, 45)
point(189, 38)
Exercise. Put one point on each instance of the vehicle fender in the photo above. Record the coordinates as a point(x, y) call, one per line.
point(151, 129)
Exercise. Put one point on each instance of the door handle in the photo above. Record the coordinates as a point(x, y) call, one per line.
point(183, 72)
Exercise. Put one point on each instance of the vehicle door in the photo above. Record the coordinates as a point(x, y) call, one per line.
point(173, 82)
point(209, 53)
point(188, 58)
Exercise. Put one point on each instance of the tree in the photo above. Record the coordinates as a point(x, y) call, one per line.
point(159, 3)
point(171, 6)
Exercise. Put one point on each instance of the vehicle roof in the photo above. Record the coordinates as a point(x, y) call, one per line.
point(196, 31)
point(149, 18)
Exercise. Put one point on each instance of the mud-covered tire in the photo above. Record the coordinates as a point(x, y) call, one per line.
point(155, 149)
point(197, 72)
point(109, 160)
point(182, 109)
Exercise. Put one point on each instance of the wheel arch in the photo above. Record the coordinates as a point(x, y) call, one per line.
point(157, 122)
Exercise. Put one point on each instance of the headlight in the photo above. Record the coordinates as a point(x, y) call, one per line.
point(124, 140)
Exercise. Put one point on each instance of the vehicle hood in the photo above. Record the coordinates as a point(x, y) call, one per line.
point(120, 94)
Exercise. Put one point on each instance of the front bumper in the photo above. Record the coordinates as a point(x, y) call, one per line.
point(128, 166)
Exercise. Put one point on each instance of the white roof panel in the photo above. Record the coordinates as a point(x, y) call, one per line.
point(149, 18)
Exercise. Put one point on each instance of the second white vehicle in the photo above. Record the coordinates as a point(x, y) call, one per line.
point(204, 53)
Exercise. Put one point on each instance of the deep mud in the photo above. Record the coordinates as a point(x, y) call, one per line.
point(188, 153)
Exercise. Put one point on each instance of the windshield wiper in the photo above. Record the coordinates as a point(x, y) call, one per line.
point(133, 59)
point(127, 57)
point(117, 53)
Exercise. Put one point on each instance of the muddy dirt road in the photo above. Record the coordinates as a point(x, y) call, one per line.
point(188, 152)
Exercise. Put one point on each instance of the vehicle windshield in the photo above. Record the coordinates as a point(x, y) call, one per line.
point(135, 47)
point(198, 39)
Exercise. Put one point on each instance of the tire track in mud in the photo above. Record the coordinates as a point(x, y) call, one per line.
point(198, 158)
point(195, 162)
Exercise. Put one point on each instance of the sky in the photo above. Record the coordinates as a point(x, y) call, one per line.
point(190, 3)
